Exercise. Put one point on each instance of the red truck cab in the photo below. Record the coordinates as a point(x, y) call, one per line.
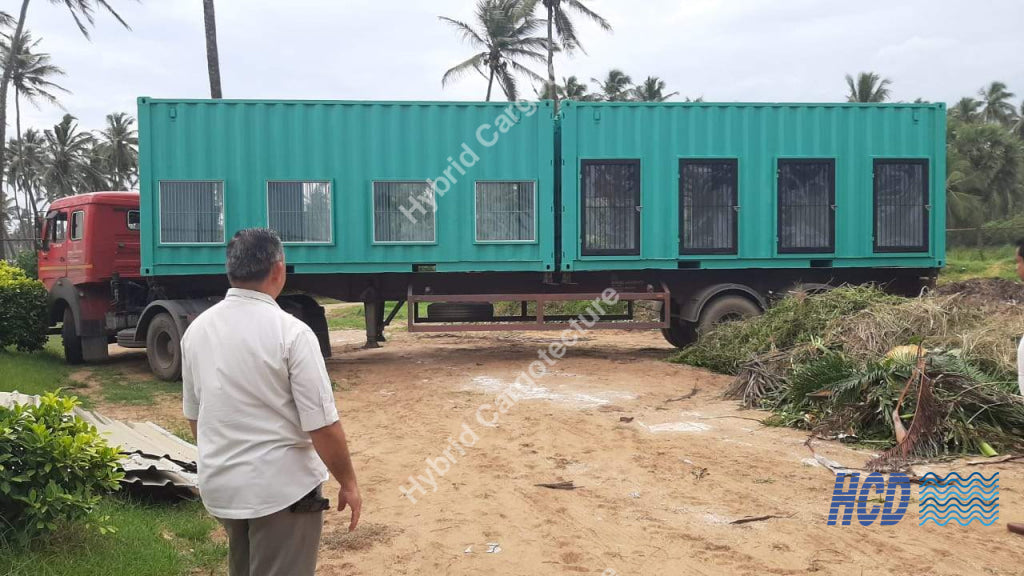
point(89, 250)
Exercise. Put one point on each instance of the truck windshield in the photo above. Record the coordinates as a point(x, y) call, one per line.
point(133, 219)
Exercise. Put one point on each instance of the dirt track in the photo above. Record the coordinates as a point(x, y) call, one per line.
point(656, 494)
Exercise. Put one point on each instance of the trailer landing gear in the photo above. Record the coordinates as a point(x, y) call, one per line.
point(373, 312)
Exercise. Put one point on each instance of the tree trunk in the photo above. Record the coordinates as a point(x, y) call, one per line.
point(490, 83)
point(34, 202)
point(551, 56)
point(4, 84)
point(212, 57)
point(14, 179)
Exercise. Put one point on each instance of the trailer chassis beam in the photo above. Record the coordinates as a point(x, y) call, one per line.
point(538, 320)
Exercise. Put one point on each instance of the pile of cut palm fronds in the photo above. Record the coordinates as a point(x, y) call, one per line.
point(845, 373)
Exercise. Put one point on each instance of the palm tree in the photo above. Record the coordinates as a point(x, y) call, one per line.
point(559, 20)
point(118, 150)
point(997, 109)
point(212, 55)
point(616, 87)
point(1020, 122)
point(69, 167)
point(965, 110)
point(572, 89)
point(83, 13)
point(504, 35)
point(868, 87)
point(652, 90)
point(8, 213)
point(30, 79)
point(27, 166)
point(569, 89)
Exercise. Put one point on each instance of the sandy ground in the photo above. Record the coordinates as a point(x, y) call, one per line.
point(656, 494)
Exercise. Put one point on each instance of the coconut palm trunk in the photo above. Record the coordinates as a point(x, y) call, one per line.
point(551, 51)
point(490, 84)
point(4, 84)
point(15, 177)
point(212, 56)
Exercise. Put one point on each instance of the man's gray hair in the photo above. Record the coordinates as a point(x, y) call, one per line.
point(251, 254)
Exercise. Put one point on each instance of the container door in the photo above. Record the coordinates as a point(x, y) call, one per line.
point(610, 208)
point(53, 257)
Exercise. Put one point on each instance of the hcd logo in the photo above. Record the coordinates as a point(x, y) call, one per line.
point(942, 499)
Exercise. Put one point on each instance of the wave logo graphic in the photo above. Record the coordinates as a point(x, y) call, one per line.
point(955, 498)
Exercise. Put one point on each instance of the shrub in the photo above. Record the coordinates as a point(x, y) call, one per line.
point(28, 261)
point(54, 467)
point(793, 320)
point(23, 319)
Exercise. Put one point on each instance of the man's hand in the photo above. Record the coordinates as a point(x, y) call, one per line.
point(330, 444)
point(349, 496)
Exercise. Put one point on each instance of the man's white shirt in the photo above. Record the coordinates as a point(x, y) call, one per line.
point(254, 378)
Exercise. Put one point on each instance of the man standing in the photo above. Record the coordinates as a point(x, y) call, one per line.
point(259, 401)
point(1020, 349)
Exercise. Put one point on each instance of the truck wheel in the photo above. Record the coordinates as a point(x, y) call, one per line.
point(72, 341)
point(163, 347)
point(679, 333)
point(726, 309)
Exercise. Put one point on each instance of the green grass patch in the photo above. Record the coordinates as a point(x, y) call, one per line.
point(352, 317)
point(985, 262)
point(151, 540)
point(116, 388)
point(35, 372)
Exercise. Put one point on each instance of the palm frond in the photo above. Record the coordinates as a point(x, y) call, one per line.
point(461, 69)
point(578, 6)
point(465, 31)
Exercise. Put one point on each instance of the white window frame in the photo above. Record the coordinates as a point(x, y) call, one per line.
point(476, 232)
point(81, 227)
point(330, 210)
point(373, 214)
point(223, 212)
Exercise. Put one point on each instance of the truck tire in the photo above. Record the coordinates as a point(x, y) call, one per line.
point(72, 341)
point(725, 309)
point(680, 333)
point(163, 347)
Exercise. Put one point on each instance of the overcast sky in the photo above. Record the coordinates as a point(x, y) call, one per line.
point(725, 50)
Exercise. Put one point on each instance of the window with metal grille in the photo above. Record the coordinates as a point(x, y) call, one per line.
point(708, 192)
point(403, 212)
point(807, 192)
point(901, 205)
point(300, 211)
point(610, 192)
point(77, 225)
point(505, 212)
point(191, 212)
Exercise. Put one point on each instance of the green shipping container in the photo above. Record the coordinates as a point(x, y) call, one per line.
point(701, 185)
point(347, 184)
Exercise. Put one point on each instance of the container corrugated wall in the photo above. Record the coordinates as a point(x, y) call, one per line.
point(756, 137)
point(243, 147)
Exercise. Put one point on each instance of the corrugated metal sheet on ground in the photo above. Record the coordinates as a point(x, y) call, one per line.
point(152, 455)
